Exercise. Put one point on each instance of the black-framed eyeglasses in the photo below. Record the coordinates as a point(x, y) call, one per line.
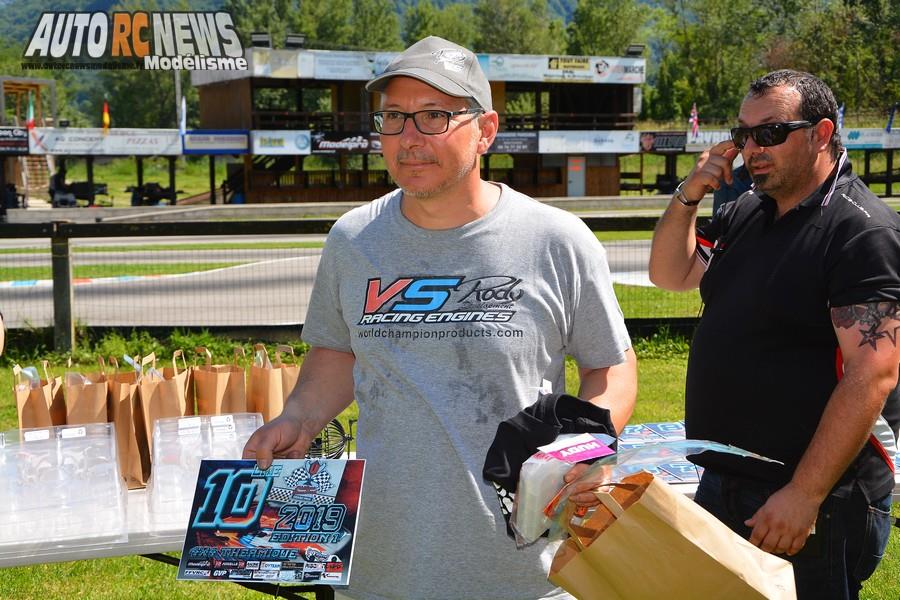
point(768, 134)
point(428, 122)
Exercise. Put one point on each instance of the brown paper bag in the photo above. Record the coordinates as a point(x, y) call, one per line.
point(163, 394)
point(87, 402)
point(40, 405)
point(270, 384)
point(648, 541)
point(220, 389)
point(131, 438)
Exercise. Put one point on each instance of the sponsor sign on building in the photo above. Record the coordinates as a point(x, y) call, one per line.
point(352, 142)
point(216, 141)
point(280, 142)
point(577, 69)
point(861, 139)
point(663, 141)
point(96, 142)
point(515, 142)
point(706, 138)
point(892, 139)
point(13, 140)
point(587, 142)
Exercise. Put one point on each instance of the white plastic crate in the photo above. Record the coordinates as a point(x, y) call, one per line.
point(179, 444)
point(60, 488)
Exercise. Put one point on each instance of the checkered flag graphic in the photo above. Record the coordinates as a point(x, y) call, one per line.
point(322, 481)
point(297, 476)
point(322, 500)
point(277, 494)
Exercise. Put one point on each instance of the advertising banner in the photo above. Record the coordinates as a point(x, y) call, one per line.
point(584, 69)
point(13, 140)
point(345, 65)
point(216, 141)
point(588, 142)
point(278, 64)
point(280, 142)
point(706, 138)
point(351, 142)
point(663, 141)
point(361, 66)
point(892, 139)
point(515, 142)
point(113, 142)
point(861, 139)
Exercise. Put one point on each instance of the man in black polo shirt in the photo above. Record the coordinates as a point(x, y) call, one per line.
point(796, 355)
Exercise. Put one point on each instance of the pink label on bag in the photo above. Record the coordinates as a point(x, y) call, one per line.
point(576, 449)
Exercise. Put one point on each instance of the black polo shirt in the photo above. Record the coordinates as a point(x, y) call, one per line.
point(765, 359)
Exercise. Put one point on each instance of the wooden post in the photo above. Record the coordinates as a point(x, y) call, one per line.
point(889, 173)
point(90, 178)
point(212, 178)
point(63, 324)
point(172, 197)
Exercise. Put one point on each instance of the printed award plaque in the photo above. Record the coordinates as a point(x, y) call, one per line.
point(292, 523)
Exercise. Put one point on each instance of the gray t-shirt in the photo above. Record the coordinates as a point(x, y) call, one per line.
point(453, 332)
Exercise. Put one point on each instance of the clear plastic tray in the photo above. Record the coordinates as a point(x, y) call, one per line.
point(60, 489)
point(179, 444)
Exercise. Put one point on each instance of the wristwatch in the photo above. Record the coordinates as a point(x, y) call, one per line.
point(679, 195)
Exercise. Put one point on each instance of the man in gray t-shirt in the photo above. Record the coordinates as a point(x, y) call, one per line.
point(443, 308)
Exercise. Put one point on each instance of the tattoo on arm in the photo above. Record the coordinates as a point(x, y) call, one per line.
point(869, 319)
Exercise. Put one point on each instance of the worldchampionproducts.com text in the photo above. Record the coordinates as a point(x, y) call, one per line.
point(443, 334)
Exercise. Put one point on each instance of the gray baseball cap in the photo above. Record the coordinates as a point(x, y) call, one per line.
point(443, 65)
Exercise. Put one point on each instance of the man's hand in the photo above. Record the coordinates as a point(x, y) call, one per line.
point(783, 523)
point(283, 437)
point(324, 389)
point(674, 264)
point(582, 493)
point(713, 167)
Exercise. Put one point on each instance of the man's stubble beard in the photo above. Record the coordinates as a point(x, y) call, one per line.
point(446, 185)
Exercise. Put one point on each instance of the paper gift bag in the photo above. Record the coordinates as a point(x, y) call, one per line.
point(220, 389)
point(163, 394)
point(290, 373)
point(39, 401)
point(86, 397)
point(131, 439)
point(271, 384)
point(648, 541)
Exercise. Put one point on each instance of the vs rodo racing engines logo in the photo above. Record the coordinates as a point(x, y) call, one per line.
point(441, 299)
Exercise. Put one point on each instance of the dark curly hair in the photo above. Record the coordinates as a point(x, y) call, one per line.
point(816, 99)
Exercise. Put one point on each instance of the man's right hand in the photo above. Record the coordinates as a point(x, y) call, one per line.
point(712, 168)
point(324, 389)
point(282, 437)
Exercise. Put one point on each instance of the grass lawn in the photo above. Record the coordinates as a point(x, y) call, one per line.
point(623, 236)
point(191, 175)
point(640, 302)
point(661, 369)
point(173, 247)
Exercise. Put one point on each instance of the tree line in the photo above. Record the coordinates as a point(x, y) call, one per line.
point(698, 51)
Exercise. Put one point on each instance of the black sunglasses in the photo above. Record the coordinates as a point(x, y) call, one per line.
point(769, 134)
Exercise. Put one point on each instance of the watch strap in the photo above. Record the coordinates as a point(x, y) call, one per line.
point(679, 195)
